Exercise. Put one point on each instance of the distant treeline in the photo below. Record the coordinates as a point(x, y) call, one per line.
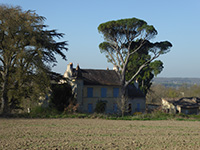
point(176, 82)
point(158, 91)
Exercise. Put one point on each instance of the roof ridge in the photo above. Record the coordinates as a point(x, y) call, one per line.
point(98, 69)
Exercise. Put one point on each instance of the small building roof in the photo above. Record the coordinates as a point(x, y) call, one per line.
point(185, 102)
point(188, 102)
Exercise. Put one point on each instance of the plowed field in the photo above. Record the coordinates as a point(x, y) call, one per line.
point(98, 134)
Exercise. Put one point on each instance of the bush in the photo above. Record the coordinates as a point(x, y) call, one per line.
point(100, 107)
point(61, 96)
point(137, 113)
point(41, 112)
point(71, 108)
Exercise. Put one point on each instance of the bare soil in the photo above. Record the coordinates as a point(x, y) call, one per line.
point(98, 134)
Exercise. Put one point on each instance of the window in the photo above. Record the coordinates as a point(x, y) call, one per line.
point(89, 92)
point(103, 92)
point(115, 92)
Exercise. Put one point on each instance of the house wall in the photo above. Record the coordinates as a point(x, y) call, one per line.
point(138, 104)
point(97, 91)
point(111, 101)
point(168, 107)
point(189, 110)
point(79, 93)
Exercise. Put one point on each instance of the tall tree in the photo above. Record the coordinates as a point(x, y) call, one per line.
point(123, 39)
point(27, 51)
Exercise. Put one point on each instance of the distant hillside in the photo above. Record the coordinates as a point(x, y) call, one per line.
point(176, 82)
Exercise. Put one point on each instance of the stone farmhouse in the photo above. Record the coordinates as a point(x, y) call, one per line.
point(92, 85)
point(186, 105)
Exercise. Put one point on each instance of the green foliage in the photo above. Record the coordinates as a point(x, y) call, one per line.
point(43, 112)
point(140, 57)
point(27, 51)
point(61, 96)
point(120, 34)
point(134, 27)
point(100, 107)
point(172, 93)
point(156, 115)
point(127, 40)
point(156, 67)
point(146, 75)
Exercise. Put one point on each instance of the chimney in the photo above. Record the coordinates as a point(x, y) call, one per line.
point(71, 66)
point(78, 72)
point(136, 84)
point(69, 71)
point(77, 67)
point(116, 68)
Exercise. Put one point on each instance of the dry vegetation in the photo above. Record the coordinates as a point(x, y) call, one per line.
point(98, 134)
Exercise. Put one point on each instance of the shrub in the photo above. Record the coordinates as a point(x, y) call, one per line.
point(61, 96)
point(100, 107)
point(43, 112)
point(71, 108)
point(137, 113)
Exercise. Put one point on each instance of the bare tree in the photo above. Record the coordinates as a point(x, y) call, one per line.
point(122, 103)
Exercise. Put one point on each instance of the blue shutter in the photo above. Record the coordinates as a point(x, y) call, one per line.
point(103, 92)
point(89, 92)
point(115, 92)
point(115, 108)
point(90, 108)
point(138, 107)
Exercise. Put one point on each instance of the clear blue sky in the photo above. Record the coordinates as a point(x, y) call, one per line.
point(177, 21)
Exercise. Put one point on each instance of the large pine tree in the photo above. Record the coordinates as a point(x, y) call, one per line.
point(27, 52)
point(124, 38)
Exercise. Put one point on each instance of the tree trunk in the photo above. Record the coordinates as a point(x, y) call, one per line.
point(4, 98)
point(123, 100)
point(4, 104)
point(123, 108)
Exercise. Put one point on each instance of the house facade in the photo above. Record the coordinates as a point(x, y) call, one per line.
point(91, 86)
point(186, 105)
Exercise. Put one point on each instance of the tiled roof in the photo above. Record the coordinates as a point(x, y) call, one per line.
point(55, 77)
point(186, 102)
point(134, 92)
point(100, 77)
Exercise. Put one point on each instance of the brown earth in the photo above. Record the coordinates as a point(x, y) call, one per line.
point(98, 134)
